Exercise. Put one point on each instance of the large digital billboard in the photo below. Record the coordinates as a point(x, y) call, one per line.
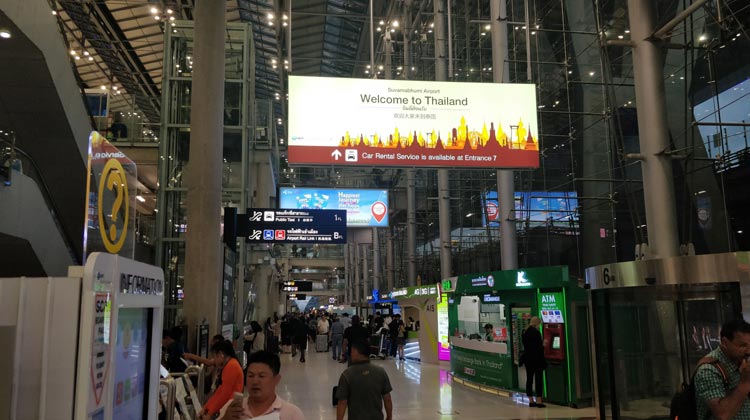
point(363, 207)
point(371, 122)
point(536, 207)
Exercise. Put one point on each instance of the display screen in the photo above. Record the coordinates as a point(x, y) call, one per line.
point(410, 123)
point(556, 208)
point(132, 354)
point(363, 207)
point(556, 343)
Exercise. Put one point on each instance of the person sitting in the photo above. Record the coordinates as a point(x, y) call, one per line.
point(231, 380)
point(488, 336)
point(262, 379)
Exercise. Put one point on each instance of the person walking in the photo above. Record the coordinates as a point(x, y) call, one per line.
point(533, 357)
point(356, 332)
point(336, 337)
point(722, 379)
point(300, 337)
point(262, 400)
point(364, 389)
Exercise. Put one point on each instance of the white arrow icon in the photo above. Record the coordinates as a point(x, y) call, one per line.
point(336, 154)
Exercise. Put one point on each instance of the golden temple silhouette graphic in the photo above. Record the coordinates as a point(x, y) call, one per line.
point(460, 138)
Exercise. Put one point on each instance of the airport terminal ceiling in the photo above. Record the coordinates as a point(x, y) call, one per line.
point(580, 62)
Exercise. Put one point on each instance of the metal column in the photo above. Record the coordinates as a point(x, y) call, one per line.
point(505, 184)
point(444, 199)
point(347, 273)
point(366, 284)
point(656, 164)
point(389, 260)
point(357, 275)
point(411, 228)
point(203, 259)
point(377, 272)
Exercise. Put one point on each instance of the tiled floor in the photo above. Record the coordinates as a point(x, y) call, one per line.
point(419, 392)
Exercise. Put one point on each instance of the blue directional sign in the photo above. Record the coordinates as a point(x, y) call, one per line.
point(293, 226)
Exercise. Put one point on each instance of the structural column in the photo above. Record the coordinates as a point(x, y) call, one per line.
point(656, 163)
point(377, 272)
point(505, 185)
point(357, 275)
point(411, 228)
point(389, 260)
point(347, 274)
point(444, 199)
point(366, 284)
point(203, 260)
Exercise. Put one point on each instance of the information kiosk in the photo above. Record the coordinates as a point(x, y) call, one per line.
point(83, 347)
point(421, 344)
point(488, 313)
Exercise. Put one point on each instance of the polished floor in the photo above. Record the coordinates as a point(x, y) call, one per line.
point(420, 391)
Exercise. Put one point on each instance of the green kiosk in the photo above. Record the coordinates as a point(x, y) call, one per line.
point(488, 360)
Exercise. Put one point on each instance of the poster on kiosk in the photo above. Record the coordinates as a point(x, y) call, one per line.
point(119, 339)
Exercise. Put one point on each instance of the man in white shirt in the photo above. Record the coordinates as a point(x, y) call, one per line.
point(261, 400)
point(323, 326)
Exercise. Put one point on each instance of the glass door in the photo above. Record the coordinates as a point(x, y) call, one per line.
point(648, 339)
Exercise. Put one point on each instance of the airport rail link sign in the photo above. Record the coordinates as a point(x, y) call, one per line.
point(364, 208)
point(294, 226)
point(368, 122)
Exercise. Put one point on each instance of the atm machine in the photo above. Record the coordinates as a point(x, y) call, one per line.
point(83, 347)
point(553, 333)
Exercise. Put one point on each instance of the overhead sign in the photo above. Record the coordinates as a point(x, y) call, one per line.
point(482, 281)
point(297, 296)
point(363, 207)
point(297, 286)
point(294, 226)
point(414, 291)
point(370, 122)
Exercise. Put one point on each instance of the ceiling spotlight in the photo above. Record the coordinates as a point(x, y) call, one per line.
point(86, 53)
point(104, 87)
point(270, 15)
point(702, 37)
point(394, 24)
point(54, 13)
point(72, 52)
point(169, 11)
point(486, 27)
point(154, 10)
point(91, 58)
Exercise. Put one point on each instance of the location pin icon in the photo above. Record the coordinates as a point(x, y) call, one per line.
point(379, 210)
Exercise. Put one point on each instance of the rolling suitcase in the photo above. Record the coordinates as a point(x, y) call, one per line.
point(321, 342)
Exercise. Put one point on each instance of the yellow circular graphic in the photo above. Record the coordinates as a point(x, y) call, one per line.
point(114, 179)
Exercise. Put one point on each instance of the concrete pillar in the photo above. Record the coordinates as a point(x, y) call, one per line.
point(406, 24)
point(377, 272)
point(444, 198)
point(388, 66)
point(203, 260)
point(653, 131)
point(411, 228)
point(505, 185)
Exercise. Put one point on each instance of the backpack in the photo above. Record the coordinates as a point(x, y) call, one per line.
point(683, 405)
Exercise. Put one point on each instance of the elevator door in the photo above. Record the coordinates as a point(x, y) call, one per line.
point(648, 340)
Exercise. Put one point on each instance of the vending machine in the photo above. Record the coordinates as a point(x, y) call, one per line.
point(82, 347)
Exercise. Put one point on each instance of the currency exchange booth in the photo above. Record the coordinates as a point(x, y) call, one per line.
point(507, 300)
point(654, 319)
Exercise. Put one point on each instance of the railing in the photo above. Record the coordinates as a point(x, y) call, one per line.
point(735, 160)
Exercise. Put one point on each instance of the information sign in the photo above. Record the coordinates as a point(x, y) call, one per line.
point(294, 226)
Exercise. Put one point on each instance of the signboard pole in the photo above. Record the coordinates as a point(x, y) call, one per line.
point(505, 185)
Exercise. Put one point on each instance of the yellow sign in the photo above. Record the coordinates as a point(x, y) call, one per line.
point(115, 180)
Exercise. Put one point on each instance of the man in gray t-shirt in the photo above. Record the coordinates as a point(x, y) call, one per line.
point(364, 388)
